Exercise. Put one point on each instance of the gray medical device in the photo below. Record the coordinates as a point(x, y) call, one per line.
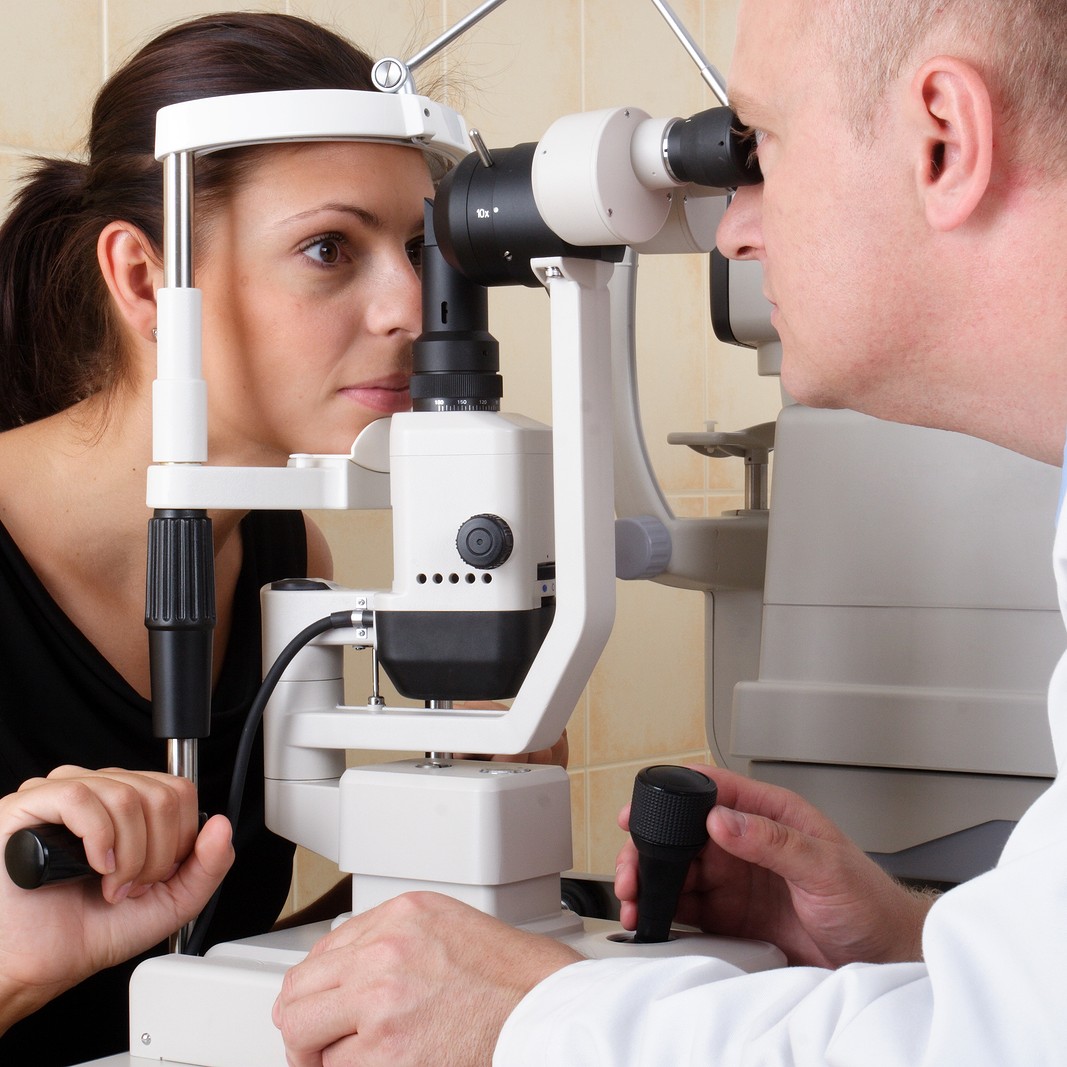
point(910, 626)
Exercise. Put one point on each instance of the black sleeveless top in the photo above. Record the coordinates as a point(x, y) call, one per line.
point(62, 702)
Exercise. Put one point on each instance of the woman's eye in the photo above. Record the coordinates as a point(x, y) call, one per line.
point(414, 254)
point(325, 250)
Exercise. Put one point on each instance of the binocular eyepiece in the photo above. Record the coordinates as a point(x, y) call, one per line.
point(490, 210)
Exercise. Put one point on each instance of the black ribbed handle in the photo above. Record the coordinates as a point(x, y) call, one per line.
point(180, 616)
point(668, 824)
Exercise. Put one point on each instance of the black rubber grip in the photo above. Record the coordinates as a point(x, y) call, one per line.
point(180, 616)
point(668, 824)
point(44, 855)
point(711, 149)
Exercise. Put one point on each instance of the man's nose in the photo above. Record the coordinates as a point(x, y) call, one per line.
point(739, 235)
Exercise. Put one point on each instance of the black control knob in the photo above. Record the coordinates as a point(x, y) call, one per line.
point(485, 541)
point(668, 824)
point(40, 855)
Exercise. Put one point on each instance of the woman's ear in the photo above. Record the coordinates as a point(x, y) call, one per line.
point(954, 112)
point(132, 272)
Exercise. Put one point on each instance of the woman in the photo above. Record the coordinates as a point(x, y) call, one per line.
point(307, 260)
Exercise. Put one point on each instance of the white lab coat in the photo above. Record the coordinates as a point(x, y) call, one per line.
point(991, 993)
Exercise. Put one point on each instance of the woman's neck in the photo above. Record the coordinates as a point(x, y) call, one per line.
point(72, 496)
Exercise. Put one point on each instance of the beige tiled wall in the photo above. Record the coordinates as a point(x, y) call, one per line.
point(521, 67)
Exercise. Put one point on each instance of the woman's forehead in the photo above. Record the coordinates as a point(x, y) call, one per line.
point(286, 176)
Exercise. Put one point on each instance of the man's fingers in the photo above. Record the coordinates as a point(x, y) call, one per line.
point(316, 1006)
point(789, 853)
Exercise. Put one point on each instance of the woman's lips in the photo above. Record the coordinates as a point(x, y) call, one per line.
point(386, 397)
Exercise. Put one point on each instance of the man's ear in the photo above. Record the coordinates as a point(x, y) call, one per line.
point(132, 272)
point(955, 115)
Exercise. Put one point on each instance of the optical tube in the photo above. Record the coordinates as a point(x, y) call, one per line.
point(455, 359)
point(488, 224)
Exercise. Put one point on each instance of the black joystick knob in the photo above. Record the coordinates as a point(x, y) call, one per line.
point(668, 824)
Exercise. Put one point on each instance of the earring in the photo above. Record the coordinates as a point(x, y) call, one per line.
point(155, 337)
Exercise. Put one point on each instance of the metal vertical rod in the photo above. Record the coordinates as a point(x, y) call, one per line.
point(178, 220)
point(375, 700)
point(182, 752)
point(183, 758)
point(756, 494)
point(178, 274)
point(439, 757)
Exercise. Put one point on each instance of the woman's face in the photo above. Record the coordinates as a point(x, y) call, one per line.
point(310, 281)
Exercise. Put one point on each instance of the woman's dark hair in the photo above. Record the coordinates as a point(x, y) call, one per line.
point(59, 338)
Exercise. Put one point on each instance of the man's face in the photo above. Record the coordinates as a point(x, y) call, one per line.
point(831, 220)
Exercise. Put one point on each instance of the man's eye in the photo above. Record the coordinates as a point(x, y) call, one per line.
point(325, 250)
point(751, 138)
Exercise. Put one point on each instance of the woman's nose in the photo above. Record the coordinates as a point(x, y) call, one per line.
point(740, 235)
point(398, 303)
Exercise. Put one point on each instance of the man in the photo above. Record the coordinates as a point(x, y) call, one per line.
point(912, 228)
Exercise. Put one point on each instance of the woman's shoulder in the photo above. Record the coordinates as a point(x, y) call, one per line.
point(22, 494)
point(319, 556)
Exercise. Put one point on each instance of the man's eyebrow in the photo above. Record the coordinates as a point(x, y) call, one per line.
point(742, 104)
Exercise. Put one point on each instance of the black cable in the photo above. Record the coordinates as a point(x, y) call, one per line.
point(338, 620)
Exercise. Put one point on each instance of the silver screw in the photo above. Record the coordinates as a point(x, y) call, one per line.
point(388, 74)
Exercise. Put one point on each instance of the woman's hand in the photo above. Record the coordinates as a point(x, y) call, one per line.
point(140, 832)
point(776, 869)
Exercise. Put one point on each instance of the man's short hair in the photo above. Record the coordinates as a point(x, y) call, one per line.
point(1019, 47)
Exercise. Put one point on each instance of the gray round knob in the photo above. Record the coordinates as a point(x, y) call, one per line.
point(642, 547)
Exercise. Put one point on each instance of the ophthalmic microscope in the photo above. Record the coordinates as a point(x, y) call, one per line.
point(504, 533)
point(900, 690)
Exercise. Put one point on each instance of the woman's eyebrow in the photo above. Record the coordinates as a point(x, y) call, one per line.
point(368, 218)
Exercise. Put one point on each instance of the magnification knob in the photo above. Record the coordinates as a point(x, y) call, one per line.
point(668, 824)
point(485, 541)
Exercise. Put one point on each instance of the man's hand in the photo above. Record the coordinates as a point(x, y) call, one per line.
point(157, 872)
point(420, 979)
point(778, 870)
